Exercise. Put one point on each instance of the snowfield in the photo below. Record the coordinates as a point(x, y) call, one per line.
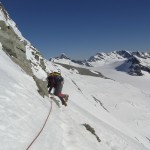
point(118, 112)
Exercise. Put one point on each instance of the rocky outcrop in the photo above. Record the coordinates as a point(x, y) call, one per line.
point(15, 48)
point(6, 15)
point(42, 86)
point(124, 54)
point(136, 67)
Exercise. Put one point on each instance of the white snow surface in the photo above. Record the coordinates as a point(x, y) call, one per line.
point(36, 67)
point(119, 112)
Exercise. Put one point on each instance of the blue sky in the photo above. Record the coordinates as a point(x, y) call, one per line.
point(81, 28)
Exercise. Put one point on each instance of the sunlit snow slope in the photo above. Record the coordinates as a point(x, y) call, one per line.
point(92, 101)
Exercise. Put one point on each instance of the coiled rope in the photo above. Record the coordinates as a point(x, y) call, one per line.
point(41, 128)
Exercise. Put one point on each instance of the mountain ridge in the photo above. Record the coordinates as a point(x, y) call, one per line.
point(137, 61)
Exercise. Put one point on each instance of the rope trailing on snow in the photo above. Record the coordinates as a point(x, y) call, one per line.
point(41, 128)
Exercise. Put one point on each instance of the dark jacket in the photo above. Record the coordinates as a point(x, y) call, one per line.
point(58, 88)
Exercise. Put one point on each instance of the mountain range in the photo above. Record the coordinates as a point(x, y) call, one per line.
point(134, 63)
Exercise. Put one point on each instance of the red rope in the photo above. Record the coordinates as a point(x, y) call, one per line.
point(41, 128)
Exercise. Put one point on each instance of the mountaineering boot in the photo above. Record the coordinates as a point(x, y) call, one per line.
point(66, 97)
point(64, 103)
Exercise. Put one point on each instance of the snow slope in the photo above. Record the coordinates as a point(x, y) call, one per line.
point(109, 70)
point(23, 112)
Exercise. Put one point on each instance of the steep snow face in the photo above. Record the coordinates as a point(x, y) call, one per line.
point(22, 109)
point(105, 95)
point(23, 112)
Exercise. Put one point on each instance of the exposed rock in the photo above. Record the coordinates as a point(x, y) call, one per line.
point(135, 70)
point(42, 86)
point(124, 53)
point(14, 47)
point(17, 51)
point(37, 57)
point(134, 60)
point(90, 129)
point(42, 64)
point(4, 11)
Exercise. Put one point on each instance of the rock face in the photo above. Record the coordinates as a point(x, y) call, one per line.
point(137, 62)
point(136, 67)
point(15, 46)
point(12, 45)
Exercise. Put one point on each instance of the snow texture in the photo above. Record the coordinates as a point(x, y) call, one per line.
point(23, 112)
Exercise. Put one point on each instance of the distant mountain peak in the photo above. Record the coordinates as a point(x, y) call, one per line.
point(63, 56)
point(124, 53)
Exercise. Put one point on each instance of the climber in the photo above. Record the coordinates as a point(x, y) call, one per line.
point(56, 81)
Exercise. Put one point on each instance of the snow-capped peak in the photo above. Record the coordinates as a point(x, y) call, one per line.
point(63, 56)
